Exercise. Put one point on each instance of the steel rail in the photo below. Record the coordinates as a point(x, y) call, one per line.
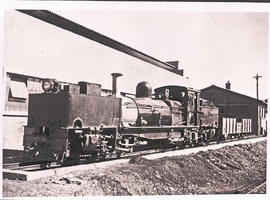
point(64, 23)
point(256, 188)
point(31, 167)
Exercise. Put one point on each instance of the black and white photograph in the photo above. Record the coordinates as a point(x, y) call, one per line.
point(134, 99)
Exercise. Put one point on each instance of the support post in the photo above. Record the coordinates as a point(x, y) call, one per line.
point(257, 96)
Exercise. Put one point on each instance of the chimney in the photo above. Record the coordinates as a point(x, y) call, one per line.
point(114, 82)
point(228, 85)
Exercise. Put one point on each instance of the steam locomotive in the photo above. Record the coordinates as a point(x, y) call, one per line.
point(78, 122)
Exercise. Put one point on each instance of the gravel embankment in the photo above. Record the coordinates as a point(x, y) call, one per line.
point(227, 170)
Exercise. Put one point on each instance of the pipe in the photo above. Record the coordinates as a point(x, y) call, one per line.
point(78, 29)
point(123, 149)
point(114, 82)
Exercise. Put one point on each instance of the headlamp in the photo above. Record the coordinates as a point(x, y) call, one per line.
point(50, 85)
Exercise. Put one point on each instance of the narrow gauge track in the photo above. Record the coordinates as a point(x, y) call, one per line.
point(256, 189)
point(251, 188)
point(36, 167)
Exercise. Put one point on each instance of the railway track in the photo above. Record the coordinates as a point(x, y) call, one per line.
point(257, 189)
point(36, 167)
point(31, 172)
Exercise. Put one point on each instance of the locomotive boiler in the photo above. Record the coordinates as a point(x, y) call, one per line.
point(78, 122)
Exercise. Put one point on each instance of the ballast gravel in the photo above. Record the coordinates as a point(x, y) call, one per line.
point(228, 170)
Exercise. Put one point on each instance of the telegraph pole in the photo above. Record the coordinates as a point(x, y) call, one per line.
point(257, 91)
point(257, 84)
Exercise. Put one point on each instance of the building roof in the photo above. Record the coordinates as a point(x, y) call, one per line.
point(232, 92)
point(61, 82)
point(23, 75)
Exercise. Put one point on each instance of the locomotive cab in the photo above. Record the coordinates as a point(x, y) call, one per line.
point(188, 98)
point(175, 93)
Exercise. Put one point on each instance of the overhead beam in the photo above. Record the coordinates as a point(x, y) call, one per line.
point(68, 25)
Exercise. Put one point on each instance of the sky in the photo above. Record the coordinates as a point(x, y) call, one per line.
point(212, 48)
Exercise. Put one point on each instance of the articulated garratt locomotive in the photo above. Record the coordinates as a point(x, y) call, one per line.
point(78, 122)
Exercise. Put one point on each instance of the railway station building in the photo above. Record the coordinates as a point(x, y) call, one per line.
point(16, 88)
point(238, 106)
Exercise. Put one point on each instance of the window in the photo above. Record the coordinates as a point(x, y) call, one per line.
point(261, 111)
point(18, 91)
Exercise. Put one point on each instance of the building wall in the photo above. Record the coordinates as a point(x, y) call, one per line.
point(262, 122)
point(13, 105)
point(223, 98)
point(15, 112)
point(33, 85)
point(244, 111)
point(13, 132)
